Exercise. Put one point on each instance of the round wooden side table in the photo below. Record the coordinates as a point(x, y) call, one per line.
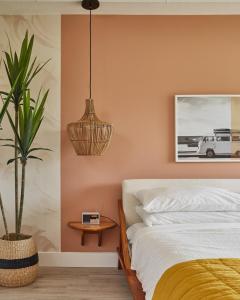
point(105, 224)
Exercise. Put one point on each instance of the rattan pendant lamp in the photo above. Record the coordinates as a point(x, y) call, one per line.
point(89, 135)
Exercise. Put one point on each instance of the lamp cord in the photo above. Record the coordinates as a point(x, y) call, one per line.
point(90, 46)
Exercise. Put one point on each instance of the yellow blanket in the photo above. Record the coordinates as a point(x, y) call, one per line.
point(205, 279)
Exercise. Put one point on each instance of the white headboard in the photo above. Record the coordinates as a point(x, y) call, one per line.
point(131, 186)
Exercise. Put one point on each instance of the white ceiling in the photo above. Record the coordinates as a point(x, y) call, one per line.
point(123, 7)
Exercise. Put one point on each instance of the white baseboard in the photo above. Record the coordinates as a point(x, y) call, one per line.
point(78, 259)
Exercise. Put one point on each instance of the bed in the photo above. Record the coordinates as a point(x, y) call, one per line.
point(148, 253)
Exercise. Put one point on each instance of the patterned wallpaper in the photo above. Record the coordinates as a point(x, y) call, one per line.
point(42, 202)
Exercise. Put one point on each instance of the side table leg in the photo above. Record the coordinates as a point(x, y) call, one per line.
point(100, 239)
point(82, 238)
point(119, 265)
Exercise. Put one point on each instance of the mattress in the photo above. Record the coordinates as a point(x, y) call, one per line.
point(156, 249)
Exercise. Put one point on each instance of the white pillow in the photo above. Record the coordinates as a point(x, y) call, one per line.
point(165, 218)
point(188, 199)
point(131, 231)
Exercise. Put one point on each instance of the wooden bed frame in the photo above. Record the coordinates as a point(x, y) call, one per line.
point(124, 260)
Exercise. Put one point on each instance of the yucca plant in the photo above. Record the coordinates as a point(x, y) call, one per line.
point(25, 122)
point(21, 69)
point(30, 119)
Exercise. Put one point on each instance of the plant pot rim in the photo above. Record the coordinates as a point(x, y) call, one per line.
point(22, 237)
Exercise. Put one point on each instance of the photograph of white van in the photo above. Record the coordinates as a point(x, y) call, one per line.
point(224, 143)
point(207, 128)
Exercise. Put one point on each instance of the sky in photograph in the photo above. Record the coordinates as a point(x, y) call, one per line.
point(200, 115)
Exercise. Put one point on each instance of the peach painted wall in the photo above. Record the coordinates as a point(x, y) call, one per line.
point(140, 62)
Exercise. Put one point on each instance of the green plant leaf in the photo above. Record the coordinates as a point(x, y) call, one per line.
point(35, 130)
point(11, 140)
point(34, 157)
point(14, 129)
point(21, 121)
point(37, 149)
point(24, 47)
point(4, 93)
point(12, 160)
point(7, 100)
point(12, 146)
point(36, 71)
point(31, 69)
point(10, 48)
point(8, 73)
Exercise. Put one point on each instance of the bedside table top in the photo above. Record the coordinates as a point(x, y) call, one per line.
point(105, 223)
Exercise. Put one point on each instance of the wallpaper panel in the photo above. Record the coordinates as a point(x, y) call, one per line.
point(42, 202)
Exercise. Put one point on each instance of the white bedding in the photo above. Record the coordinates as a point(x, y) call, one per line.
point(194, 198)
point(194, 217)
point(155, 249)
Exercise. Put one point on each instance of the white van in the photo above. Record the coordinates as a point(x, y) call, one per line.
point(223, 143)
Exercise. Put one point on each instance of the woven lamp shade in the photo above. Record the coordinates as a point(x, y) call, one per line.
point(89, 135)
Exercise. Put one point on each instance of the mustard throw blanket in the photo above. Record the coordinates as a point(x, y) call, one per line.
point(205, 279)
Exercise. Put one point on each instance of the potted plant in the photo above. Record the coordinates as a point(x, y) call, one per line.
point(18, 252)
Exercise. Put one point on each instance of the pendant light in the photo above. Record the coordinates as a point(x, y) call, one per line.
point(89, 135)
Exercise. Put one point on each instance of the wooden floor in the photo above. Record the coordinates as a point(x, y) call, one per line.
point(73, 284)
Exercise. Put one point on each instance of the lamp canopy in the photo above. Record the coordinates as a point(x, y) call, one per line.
point(90, 4)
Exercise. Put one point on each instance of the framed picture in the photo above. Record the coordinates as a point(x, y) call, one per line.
point(207, 128)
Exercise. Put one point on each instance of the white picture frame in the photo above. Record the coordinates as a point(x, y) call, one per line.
point(207, 128)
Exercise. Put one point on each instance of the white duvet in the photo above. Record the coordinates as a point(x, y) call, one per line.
point(155, 249)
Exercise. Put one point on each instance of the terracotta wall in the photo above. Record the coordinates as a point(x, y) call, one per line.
point(140, 62)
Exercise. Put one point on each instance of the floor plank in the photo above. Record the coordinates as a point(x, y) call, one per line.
point(73, 284)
